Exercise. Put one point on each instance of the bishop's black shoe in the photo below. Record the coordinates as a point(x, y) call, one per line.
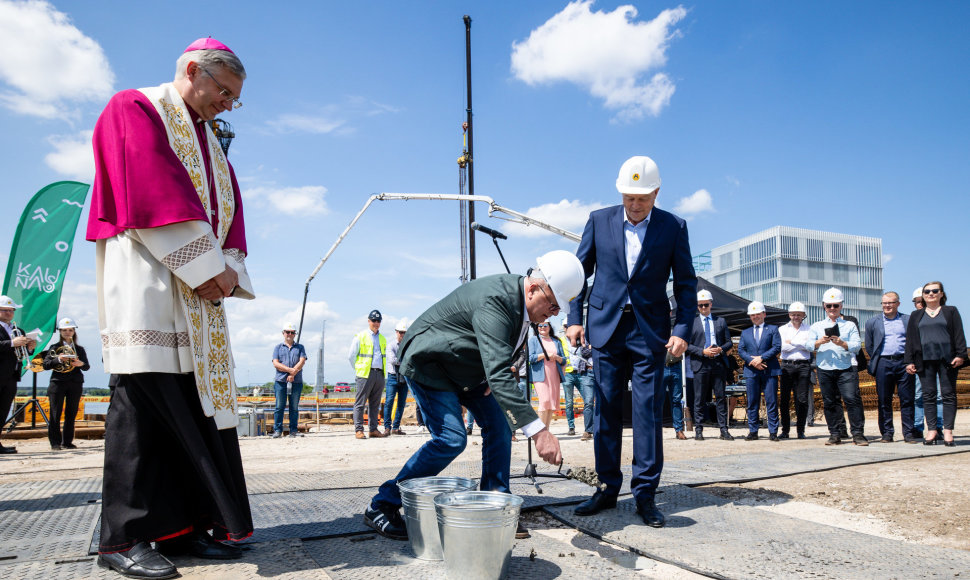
point(594, 505)
point(141, 561)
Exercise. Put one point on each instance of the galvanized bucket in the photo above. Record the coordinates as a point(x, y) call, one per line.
point(417, 498)
point(477, 529)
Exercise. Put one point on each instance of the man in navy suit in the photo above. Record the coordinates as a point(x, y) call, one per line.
point(708, 346)
point(629, 328)
point(759, 348)
point(886, 341)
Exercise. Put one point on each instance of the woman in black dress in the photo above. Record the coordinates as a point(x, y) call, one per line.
point(67, 359)
point(936, 347)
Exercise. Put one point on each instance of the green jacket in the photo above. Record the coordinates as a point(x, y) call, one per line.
point(470, 336)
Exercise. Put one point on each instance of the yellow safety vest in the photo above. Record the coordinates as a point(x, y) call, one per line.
point(365, 354)
point(565, 350)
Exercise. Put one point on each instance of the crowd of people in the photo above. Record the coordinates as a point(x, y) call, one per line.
point(166, 217)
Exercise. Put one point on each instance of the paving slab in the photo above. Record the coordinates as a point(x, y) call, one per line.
point(711, 536)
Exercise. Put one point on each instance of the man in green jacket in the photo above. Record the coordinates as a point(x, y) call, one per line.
point(459, 353)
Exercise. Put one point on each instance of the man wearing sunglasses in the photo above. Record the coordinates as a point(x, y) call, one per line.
point(166, 215)
point(836, 341)
point(288, 360)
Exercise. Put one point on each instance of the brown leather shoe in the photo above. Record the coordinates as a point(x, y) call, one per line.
point(398, 432)
point(360, 435)
point(375, 434)
point(387, 432)
point(586, 436)
point(680, 435)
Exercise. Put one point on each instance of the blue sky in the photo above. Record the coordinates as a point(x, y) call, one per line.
point(843, 117)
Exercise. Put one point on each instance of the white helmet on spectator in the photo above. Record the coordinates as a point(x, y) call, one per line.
point(755, 307)
point(638, 175)
point(705, 295)
point(66, 323)
point(7, 302)
point(832, 296)
point(918, 293)
point(402, 326)
point(796, 307)
point(288, 327)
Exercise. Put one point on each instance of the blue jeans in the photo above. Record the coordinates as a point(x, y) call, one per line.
point(674, 388)
point(280, 388)
point(442, 415)
point(583, 382)
point(918, 420)
point(394, 387)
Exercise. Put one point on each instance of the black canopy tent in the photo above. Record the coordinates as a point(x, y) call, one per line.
point(734, 309)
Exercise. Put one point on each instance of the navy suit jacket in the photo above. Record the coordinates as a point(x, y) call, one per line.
point(876, 336)
point(602, 251)
point(698, 341)
point(768, 349)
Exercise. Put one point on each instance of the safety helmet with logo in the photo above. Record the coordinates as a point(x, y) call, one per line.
point(755, 308)
point(66, 323)
point(918, 293)
point(638, 175)
point(402, 326)
point(796, 307)
point(564, 275)
point(705, 295)
point(832, 296)
point(7, 302)
point(288, 327)
point(375, 315)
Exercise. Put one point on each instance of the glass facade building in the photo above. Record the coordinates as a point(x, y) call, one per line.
point(782, 265)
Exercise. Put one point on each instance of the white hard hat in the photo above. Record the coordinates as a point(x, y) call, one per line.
point(289, 326)
point(705, 295)
point(7, 302)
point(832, 296)
point(796, 307)
point(66, 323)
point(564, 274)
point(755, 308)
point(402, 326)
point(918, 293)
point(638, 175)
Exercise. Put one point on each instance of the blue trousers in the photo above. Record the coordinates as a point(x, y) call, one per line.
point(394, 387)
point(583, 382)
point(626, 354)
point(442, 416)
point(674, 389)
point(294, 399)
point(757, 384)
point(891, 376)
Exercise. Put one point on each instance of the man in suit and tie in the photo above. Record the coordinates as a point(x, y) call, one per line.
point(708, 346)
point(759, 348)
point(10, 365)
point(629, 328)
point(886, 341)
point(460, 352)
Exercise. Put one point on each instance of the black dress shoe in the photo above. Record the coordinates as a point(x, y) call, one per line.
point(751, 436)
point(784, 435)
point(594, 505)
point(726, 436)
point(949, 443)
point(141, 561)
point(773, 437)
point(56, 447)
point(69, 446)
point(7, 449)
point(650, 514)
point(801, 435)
point(698, 435)
point(202, 545)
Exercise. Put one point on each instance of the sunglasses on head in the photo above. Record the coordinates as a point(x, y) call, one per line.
point(931, 291)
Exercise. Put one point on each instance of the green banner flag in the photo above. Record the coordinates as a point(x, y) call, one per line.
point(40, 254)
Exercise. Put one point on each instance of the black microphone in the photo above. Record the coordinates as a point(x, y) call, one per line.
point(489, 231)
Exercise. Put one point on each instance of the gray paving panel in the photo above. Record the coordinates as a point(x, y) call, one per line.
point(372, 557)
point(711, 536)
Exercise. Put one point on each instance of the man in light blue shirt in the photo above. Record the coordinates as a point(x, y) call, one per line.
point(836, 343)
point(886, 341)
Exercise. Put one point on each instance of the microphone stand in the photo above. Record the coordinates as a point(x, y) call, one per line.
point(32, 402)
point(530, 472)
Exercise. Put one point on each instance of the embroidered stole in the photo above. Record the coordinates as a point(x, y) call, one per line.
point(208, 331)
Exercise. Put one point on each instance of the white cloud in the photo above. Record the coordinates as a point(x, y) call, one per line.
point(333, 118)
point(304, 200)
point(698, 202)
point(305, 124)
point(72, 155)
point(46, 62)
point(565, 214)
point(886, 258)
point(607, 53)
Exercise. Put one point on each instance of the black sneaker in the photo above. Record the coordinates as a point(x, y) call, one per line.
point(571, 432)
point(386, 523)
point(834, 440)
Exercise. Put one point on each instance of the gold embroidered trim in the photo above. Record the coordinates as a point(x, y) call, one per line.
point(187, 253)
point(144, 338)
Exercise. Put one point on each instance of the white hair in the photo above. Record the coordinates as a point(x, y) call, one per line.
point(210, 58)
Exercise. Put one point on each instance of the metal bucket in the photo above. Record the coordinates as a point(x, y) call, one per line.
point(477, 529)
point(417, 498)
